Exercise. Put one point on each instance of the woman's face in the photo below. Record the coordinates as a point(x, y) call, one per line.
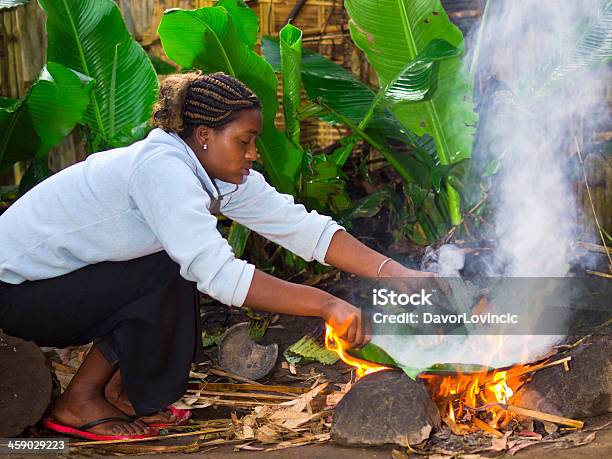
point(231, 148)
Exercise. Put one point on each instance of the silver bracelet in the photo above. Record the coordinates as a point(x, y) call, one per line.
point(384, 262)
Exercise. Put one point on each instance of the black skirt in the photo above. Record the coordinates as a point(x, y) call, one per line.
point(141, 313)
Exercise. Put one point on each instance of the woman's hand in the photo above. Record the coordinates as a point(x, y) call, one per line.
point(270, 294)
point(394, 269)
point(347, 322)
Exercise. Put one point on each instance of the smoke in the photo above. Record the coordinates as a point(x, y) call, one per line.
point(534, 113)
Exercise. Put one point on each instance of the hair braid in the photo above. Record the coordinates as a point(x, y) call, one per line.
point(192, 99)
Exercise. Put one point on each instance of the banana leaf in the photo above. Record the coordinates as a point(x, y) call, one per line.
point(393, 33)
point(245, 20)
point(291, 57)
point(593, 48)
point(6, 4)
point(351, 100)
point(324, 184)
point(90, 36)
point(30, 127)
point(207, 38)
point(375, 354)
point(367, 206)
point(238, 237)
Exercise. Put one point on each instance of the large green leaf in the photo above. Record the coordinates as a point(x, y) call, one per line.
point(340, 90)
point(326, 80)
point(207, 39)
point(324, 184)
point(91, 37)
point(291, 63)
point(594, 47)
point(245, 20)
point(54, 104)
point(393, 33)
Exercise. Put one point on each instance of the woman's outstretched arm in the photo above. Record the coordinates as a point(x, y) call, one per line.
point(345, 252)
point(267, 293)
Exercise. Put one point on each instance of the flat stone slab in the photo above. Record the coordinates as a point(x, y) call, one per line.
point(386, 407)
point(582, 392)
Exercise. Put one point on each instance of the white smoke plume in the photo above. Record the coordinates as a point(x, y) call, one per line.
point(531, 129)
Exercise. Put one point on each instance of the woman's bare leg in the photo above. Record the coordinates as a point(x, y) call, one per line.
point(115, 395)
point(84, 401)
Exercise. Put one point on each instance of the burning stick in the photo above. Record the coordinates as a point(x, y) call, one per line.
point(539, 367)
point(543, 416)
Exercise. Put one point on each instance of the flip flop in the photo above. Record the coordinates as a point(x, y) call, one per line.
point(180, 415)
point(81, 431)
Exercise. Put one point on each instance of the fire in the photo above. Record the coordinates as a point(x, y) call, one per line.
point(462, 397)
point(467, 401)
point(339, 346)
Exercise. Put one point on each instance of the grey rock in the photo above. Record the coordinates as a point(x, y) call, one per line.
point(582, 392)
point(25, 385)
point(386, 407)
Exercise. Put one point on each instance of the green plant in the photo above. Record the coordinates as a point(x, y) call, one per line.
point(338, 96)
point(221, 38)
point(392, 34)
point(31, 126)
point(90, 36)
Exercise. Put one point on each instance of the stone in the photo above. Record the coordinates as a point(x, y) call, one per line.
point(584, 391)
point(386, 407)
point(25, 385)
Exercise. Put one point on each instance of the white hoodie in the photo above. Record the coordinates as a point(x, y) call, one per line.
point(153, 195)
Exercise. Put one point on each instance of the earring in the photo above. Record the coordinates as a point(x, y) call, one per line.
point(205, 146)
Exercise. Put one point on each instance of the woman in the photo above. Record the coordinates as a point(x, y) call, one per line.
point(112, 249)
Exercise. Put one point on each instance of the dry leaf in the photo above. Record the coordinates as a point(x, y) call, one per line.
point(247, 432)
point(333, 399)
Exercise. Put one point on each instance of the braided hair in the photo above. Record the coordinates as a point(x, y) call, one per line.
point(192, 99)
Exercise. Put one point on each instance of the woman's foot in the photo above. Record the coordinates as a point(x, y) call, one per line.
point(115, 395)
point(84, 401)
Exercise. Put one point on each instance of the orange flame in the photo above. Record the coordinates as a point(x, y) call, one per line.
point(478, 393)
point(334, 343)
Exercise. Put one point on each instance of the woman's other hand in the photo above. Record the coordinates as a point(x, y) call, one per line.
point(346, 320)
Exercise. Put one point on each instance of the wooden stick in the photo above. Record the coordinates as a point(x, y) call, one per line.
point(159, 437)
point(258, 387)
point(240, 394)
point(543, 416)
point(597, 273)
point(537, 368)
point(486, 427)
point(227, 374)
point(239, 403)
point(594, 247)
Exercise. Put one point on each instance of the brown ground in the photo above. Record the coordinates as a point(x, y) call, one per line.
point(600, 448)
